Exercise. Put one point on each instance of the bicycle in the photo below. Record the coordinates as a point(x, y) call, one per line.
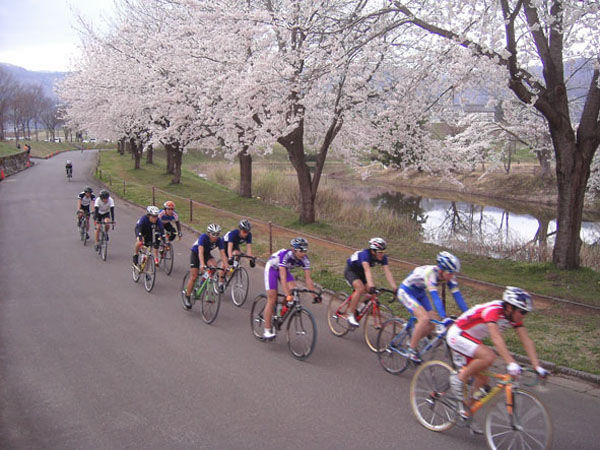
point(238, 277)
point(103, 240)
point(69, 174)
point(376, 315)
point(82, 226)
point(521, 422)
point(300, 322)
point(393, 340)
point(206, 288)
point(166, 256)
point(145, 266)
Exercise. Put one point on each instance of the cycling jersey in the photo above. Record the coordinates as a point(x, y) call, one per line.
point(146, 230)
point(235, 237)
point(208, 246)
point(167, 218)
point(474, 321)
point(104, 207)
point(423, 280)
point(360, 256)
point(85, 200)
point(285, 258)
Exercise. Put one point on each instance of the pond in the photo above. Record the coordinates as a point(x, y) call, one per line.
point(504, 224)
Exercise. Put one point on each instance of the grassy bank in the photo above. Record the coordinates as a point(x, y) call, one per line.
point(555, 329)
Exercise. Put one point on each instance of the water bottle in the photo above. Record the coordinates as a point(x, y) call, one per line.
point(284, 309)
point(279, 310)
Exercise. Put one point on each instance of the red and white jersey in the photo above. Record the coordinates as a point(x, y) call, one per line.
point(474, 321)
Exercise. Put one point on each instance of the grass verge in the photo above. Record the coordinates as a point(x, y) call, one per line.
point(555, 329)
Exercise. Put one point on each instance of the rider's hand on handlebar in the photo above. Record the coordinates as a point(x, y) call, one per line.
point(252, 262)
point(230, 261)
point(542, 373)
point(513, 369)
point(372, 290)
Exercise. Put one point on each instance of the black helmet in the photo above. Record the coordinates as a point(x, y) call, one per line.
point(88, 189)
point(104, 194)
point(244, 225)
point(299, 243)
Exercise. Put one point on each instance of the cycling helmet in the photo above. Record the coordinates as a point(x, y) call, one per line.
point(68, 161)
point(169, 204)
point(244, 225)
point(517, 297)
point(213, 229)
point(377, 243)
point(299, 243)
point(88, 189)
point(104, 194)
point(152, 210)
point(448, 262)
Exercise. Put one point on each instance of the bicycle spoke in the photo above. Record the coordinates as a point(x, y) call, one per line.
point(240, 282)
point(391, 339)
point(211, 301)
point(257, 321)
point(302, 333)
point(336, 314)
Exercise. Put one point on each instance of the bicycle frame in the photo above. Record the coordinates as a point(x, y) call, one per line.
point(410, 324)
point(505, 382)
point(371, 302)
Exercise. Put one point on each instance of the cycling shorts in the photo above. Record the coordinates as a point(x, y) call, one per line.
point(101, 217)
point(411, 302)
point(85, 208)
point(195, 260)
point(462, 343)
point(272, 277)
point(350, 275)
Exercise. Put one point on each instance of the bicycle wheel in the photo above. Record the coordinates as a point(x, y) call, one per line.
point(301, 333)
point(257, 316)
point(211, 301)
point(103, 247)
point(529, 427)
point(135, 272)
point(373, 323)
point(183, 288)
point(336, 314)
point(240, 281)
point(167, 257)
point(392, 340)
point(430, 398)
point(149, 273)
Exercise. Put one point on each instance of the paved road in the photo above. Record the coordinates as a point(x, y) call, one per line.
point(89, 360)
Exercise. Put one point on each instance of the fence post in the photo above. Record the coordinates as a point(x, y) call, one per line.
point(110, 180)
point(191, 210)
point(153, 196)
point(123, 188)
point(270, 238)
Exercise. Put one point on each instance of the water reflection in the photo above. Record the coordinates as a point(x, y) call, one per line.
point(449, 222)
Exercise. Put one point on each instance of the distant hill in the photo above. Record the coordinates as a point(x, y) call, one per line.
point(46, 79)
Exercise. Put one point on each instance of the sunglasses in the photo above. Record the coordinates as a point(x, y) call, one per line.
point(170, 209)
point(214, 234)
point(380, 251)
point(522, 311)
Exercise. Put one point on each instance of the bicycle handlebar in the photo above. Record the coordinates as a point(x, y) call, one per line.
point(318, 294)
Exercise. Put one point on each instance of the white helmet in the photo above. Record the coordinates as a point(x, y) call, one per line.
point(152, 210)
point(517, 297)
point(448, 262)
point(213, 229)
point(377, 243)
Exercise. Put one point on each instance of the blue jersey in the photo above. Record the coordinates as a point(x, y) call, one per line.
point(144, 228)
point(204, 241)
point(235, 237)
point(360, 256)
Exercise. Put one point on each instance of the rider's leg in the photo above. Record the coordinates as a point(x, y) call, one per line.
point(483, 358)
point(191, 281)
point(358, 290)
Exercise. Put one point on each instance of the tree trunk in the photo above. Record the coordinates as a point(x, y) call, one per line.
point(170, 159)
point(294, 144)
point(149, 154)
point(245, 173)
point(137, 154)
point(544, 165)
point(177, 154)
point(121, 146)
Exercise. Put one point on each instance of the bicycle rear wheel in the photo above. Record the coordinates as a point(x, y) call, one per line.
point(336, 314)
point(149, 273)
point(257, 316)
point(211, 301)
point(529, 427)
point(373, 323)
point(301, 333)
point(430, 396)
point(167, 257)
point(391, 342)
point(240, 281)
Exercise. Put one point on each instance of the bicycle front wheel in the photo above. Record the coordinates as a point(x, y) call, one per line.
point(167, 256)
point(430, 396)
point(336, 314)
point(529, 426)
point(240, 282)
point(257, 316)
point(135, 273)
point(149, 273)
point(211, 301)
point(373, 324)
point(391, 342)
point(103, 248)
point(301, 333)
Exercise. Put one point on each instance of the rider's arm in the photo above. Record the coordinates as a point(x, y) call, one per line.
point(178, 225)
point(78, 204)
point(112, 213)
point(283, 277)
point(528, 345)
point(229, 249)
point(389, 277)
point(96, 212)
point(499, 343)
point(249, 249)
point(437, 301)
point(223, 257)
point(309, 281)
point(201, 256)
point(458, 298)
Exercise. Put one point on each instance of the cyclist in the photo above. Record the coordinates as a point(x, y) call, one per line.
point(84, 200)
point(201, 257)
point(167, 216)
point(69, 168)
point(237, 236)
point(149, 230)
point(490, 319)
point(104, 206)
point(414, 290)
point(278, 269)
point(359, 276)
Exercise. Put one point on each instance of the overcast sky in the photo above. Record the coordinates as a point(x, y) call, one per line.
point(40, 34)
